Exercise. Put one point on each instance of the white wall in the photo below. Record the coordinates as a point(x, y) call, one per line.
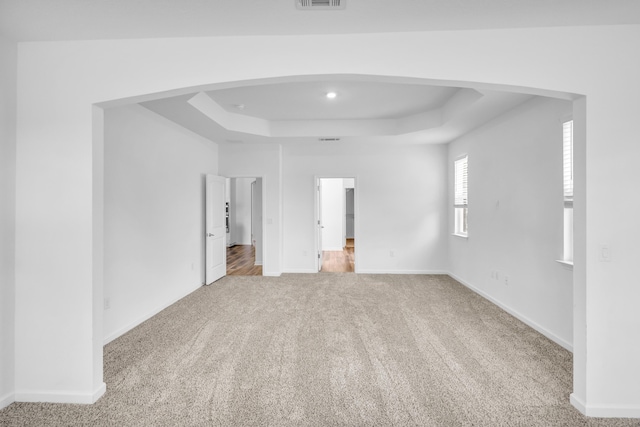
point(516, 216)
point(241, 211)
point(256, 220)
point(349, 209)
point(59, 160)
point(333, 201)
point(349, 232)
point(231, 199)
point(154, 214)
point(400, 204)
point(8, 64)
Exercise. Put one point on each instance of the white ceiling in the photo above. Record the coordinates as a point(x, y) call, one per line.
point(364, 110)
point(384, 111)
point(37, 20)
point(355, 100)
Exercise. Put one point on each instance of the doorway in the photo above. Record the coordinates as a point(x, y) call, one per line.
point(244, 206)
point(336, 219)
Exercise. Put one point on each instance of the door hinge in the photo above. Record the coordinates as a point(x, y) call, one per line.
point(318, 255)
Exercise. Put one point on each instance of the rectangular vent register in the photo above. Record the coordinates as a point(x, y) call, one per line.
point(320, 4)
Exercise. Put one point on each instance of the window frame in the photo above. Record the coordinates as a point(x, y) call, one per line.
point(568, 168)
point(461, 197)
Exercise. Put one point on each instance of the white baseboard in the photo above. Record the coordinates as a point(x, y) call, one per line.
point(100, 391)
point(61, 397)
point(553, 337)
point(578, 403)
point(605, 411)
point(427, 272)
point(314, 271)
point(272, 273)
point(113, 335)
point(333, 249)
point(300, 270)
point(7, 400)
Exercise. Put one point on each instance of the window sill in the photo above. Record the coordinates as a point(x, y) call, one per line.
point(462, 236)
point(568, 264)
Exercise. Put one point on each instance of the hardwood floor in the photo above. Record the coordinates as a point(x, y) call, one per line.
point(241, 261)
point(339, 261)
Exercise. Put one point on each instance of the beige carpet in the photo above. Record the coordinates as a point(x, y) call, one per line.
point(328, 350)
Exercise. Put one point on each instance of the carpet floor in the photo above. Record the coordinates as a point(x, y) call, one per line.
point(328, 350)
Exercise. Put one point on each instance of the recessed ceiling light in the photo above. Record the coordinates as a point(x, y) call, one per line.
point(331, 95)
point(239, 106)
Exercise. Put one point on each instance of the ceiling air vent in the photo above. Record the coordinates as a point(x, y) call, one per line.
point(329, 139)
point(320, 4)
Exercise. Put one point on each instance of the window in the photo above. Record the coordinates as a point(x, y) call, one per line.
point(567, 175)
point(460, 196)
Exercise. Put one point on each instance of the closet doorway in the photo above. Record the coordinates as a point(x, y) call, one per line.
point(336, 219)
point(244, 226)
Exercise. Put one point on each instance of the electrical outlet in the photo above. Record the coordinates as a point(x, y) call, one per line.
point(604, 253)
point(107, 303)
point(392, 253)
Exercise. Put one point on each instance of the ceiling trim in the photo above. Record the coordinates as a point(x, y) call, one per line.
point(480, 86)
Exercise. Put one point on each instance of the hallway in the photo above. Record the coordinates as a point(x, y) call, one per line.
point(241, 261)
point(339, 261)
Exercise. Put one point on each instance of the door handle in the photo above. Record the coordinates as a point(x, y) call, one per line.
point(211, 235)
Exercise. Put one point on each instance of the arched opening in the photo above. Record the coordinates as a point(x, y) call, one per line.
point(234, 151)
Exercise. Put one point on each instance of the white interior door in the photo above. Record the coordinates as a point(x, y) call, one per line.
point(319, 222)
point(215, 229)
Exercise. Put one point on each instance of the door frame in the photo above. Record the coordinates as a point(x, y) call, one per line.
point(264, 214)
point(316, 217)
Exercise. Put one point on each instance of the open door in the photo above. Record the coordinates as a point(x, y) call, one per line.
point(335, 246)
point(319, 223)
point(215, 229)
